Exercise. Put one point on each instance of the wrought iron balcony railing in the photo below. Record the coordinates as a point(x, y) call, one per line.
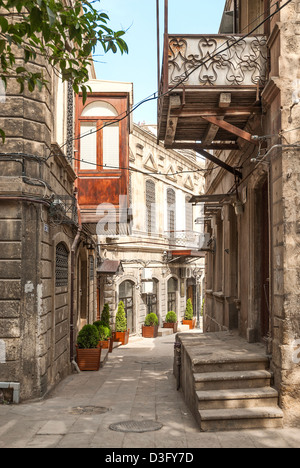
point(210, 86)
point(217, 60)
point(188, 240)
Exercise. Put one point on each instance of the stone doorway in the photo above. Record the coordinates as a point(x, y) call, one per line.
point(126, 295)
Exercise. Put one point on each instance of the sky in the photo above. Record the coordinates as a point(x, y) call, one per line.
point(138, 18)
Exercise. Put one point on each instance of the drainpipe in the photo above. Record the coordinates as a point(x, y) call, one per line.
point(235, 17)
point(73, 265)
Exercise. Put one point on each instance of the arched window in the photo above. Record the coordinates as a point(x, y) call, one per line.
point(152, 299)
point(150, 207)
point(189, 222)
point(99, 109)
point(171, 212)
point(172, 292)
point(100, 138)
point(62, 266)
point(126, 296)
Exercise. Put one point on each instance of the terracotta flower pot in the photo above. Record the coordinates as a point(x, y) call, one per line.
point(88, 359)
point(150, 332)
point(191, 323)
point(121, 337)
point(105, 344)
point(171, 325)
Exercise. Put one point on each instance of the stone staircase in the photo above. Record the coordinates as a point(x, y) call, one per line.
point(231, 390)
point(239, 399)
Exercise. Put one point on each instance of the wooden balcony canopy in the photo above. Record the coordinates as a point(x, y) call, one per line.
point(209, 88)
point(182, 256)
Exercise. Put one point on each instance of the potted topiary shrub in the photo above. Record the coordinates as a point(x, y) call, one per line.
point(87, 349)
point(189, 318)
point(171, 321)
point(121, 334)
point(104, 334)
point(150, 329)
point(105, 316)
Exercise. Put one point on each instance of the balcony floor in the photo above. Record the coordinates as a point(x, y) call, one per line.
point(202, 102)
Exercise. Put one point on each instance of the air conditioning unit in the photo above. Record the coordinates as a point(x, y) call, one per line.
point(186, 273)
point(204, 242)
point(147, 287)
point(147, 274)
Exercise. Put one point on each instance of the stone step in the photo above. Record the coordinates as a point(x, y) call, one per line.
point(245, 418)
point(230, 363)
point(165, 331)
point(228, 380)
point(237, 398)
point(183, 328)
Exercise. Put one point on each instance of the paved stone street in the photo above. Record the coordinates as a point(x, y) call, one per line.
point(136, 383)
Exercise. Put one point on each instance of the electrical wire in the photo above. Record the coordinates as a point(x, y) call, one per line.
point(132, 169)
point(156, 96)
point(185, 75)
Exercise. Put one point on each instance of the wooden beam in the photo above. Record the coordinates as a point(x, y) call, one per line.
point(225, 100)
point(222, 112)
point(220, 163)
point(211, 133)
point(212, 129)
point(231, 129)
point(200, 146)
point(174, 103)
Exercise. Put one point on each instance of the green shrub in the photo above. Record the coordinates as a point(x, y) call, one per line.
point(88, 337)
point(121, 320)
point(104, 331)
point(202, 308)
point(151, 320)
point(100, 324)
point(189, 312)
point(171, 317)
point(105, 316)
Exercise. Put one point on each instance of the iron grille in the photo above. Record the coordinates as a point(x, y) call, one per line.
point(171, 202)
point(63, 210)
point(91, 268)
point(188, 215)
point(150, 206)
point(62, 266)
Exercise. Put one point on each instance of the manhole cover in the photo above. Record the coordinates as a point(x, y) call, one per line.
point(136, 426)
point(89, 410)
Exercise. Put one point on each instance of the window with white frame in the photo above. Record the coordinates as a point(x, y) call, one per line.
point(99, 137)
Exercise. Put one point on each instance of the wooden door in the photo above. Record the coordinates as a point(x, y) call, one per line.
point(265, 263)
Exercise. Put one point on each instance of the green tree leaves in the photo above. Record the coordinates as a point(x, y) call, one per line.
point(65, 36)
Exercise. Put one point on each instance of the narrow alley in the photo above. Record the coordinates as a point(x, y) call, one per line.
point(135, 384)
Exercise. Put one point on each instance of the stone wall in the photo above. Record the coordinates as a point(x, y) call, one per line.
point(34, 313)
point(280, 171)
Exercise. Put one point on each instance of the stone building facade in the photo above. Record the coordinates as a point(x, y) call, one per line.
point(47, 272)
point(234, 98)
point(252, 281)
point(146, 273)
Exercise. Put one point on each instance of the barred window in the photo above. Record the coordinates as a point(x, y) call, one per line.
point(92, 268)
point(150, 207)
point(189, 222)
point(171, 212)
point(62, 266)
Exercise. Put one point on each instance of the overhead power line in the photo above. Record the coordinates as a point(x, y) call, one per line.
point(184, 76)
